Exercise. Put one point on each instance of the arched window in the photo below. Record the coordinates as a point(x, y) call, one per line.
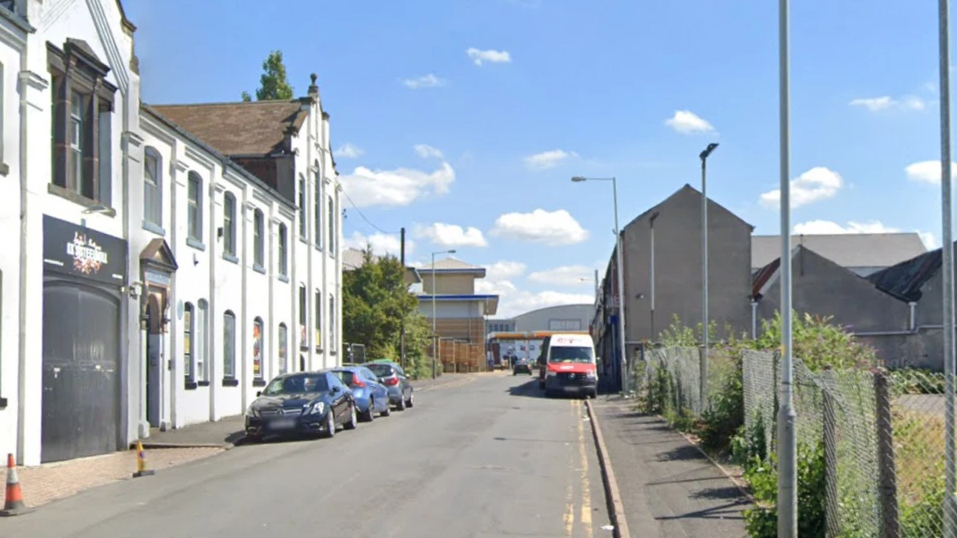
point(331, 215)
point(318, 212)
point(302, 207)
point(229, 346)
point(229, 224)
point(258, 370)
point(153, 187)
point(333, 338)
point(194, 214)
point(259, 239)
point(283, 355)
point(303, 309)
point(188, 329)
point(318, 320)
point(283, 250)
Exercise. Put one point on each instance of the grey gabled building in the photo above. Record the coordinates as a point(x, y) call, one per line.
point(864, 254)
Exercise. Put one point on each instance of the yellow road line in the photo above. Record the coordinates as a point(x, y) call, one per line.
point(570, 489)
point(586, 489)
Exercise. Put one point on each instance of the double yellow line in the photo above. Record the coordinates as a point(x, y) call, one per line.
point(575, 411)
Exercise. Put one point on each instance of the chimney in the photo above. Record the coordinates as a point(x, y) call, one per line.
point(313, 89)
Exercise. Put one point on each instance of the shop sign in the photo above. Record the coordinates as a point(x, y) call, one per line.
point(81, 252)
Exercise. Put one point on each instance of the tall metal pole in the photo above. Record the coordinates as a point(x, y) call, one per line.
point(950, 364)
point(621, 293)
point(402, 260)
point(787, 440)
point(705, 324)
point(596, 287)
point(651, 221)
point(435, 336)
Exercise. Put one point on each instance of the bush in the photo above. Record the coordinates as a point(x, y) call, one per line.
point(762, 520)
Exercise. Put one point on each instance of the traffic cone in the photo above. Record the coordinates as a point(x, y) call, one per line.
point(13, 505)
point(141, 469)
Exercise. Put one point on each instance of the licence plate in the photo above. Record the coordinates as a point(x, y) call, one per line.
point(569, 388)
point(282, 424)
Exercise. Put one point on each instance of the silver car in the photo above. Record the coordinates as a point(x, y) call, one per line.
point(393, 377)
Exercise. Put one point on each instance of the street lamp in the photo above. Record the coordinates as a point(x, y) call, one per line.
point(621, 278)
point(704, 272)
point(435, 336)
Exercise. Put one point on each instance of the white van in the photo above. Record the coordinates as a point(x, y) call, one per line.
point(568, 365)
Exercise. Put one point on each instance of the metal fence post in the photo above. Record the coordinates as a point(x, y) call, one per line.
point(703, 367)
point(887, 471)
point(832, 503)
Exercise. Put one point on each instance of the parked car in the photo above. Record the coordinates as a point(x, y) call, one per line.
point(372, 397)
point(522, 366)
point(301, 403)
point(393, 377)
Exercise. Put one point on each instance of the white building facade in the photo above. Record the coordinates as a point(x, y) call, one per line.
point(149, 280)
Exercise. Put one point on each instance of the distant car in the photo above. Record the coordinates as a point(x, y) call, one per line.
point(393, 377)
point(301, 403)
point(521, 366)
point(372, 397)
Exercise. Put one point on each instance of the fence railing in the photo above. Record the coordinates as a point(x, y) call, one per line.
point(878, 434)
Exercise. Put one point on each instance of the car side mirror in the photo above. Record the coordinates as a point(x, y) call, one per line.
point(335, 389)
point(259, 393)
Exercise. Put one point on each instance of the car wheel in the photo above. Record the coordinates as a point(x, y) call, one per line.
point(388, 409)
point(369, 414)
point(514, 373)
point(253, 439)
point(353, 419)
point(411, 397)
point(330, 430)
point(401, 405)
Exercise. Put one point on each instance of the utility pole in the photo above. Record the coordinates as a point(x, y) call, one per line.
point(402, 259)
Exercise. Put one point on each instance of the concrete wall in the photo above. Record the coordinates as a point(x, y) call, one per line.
point(448, 283)
point(678, 267)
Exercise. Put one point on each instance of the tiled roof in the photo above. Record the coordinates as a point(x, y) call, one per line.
point(452, 263)
point(906, 279)
point(762, 275)
point(846, 250)
point(252, 128)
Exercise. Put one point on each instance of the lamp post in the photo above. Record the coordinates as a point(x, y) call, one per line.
point(705, 332)
point(787, 418)
point(435, 336)
point(621, 278)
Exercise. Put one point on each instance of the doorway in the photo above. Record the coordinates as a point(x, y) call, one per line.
point(154, 330)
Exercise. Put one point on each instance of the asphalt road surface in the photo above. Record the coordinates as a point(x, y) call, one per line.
point(488, 458)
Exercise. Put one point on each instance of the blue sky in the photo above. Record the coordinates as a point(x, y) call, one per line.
point(445, 138)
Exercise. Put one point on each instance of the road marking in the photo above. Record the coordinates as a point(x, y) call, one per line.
point(586, 489)
point(570, 489)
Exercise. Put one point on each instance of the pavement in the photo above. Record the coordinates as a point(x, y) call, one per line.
point(478, 458)
point(668, 488)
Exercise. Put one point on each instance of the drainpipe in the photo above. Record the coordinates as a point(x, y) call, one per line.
point(912, 319)
point(24, 159)
point(246, 265)
point(754, 320)
point(144, 427)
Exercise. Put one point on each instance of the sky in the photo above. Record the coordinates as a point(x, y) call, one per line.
point(463, 121)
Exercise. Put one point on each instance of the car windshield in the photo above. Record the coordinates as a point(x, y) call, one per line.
point(571, 354)
point(297, 384)
point(380, 369)
point(345, 376)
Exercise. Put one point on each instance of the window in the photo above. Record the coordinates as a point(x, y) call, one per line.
point(302, 207)
point(229, 224)
point(258, 349)
point(283, 337)
point(259, 247)
point(188, 343)
point(303, 308)
point(318, 319)
point(194, 215)
point(318, 214)
point(283, 255)
point(152, 187)
point(82, 115)
point(201, 345)
point(331, 215)
point(229, 346)
point(332, 323)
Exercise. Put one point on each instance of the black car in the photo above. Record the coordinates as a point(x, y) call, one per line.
point(521, 366)
point(301, 403)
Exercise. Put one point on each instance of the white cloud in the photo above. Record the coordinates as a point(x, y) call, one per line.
point(929, 239)
point(826, 227)
point(425, 151)
point(548, 159)
point(425, 81)
point(382, 244)
point(553, 228)
point(399, 187)
point(491, 56)
point(818, 183)
point(349, 151)
point(504, 270)
point(568, 275)
point(927, 171)
point(451, 235)
point(884, 102)
point(513, 301)
point(687, 122)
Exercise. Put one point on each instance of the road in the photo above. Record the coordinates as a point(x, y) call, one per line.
point(490, 457)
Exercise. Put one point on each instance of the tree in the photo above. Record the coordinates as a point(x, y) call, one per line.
point(273, 84)
point(375, 303)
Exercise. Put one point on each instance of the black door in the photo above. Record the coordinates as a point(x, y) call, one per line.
point(80, 371)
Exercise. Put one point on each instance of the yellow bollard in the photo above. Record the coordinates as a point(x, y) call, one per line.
point(141, 469)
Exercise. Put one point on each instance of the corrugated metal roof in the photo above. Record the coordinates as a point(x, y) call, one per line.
point(762, 275)
point(352, 258)
point(846, 250)
point(905, 280)
point(452, 263)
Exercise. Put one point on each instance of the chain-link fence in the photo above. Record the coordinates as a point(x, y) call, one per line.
point(871, 440)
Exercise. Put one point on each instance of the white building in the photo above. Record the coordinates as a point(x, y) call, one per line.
point(153, 280)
